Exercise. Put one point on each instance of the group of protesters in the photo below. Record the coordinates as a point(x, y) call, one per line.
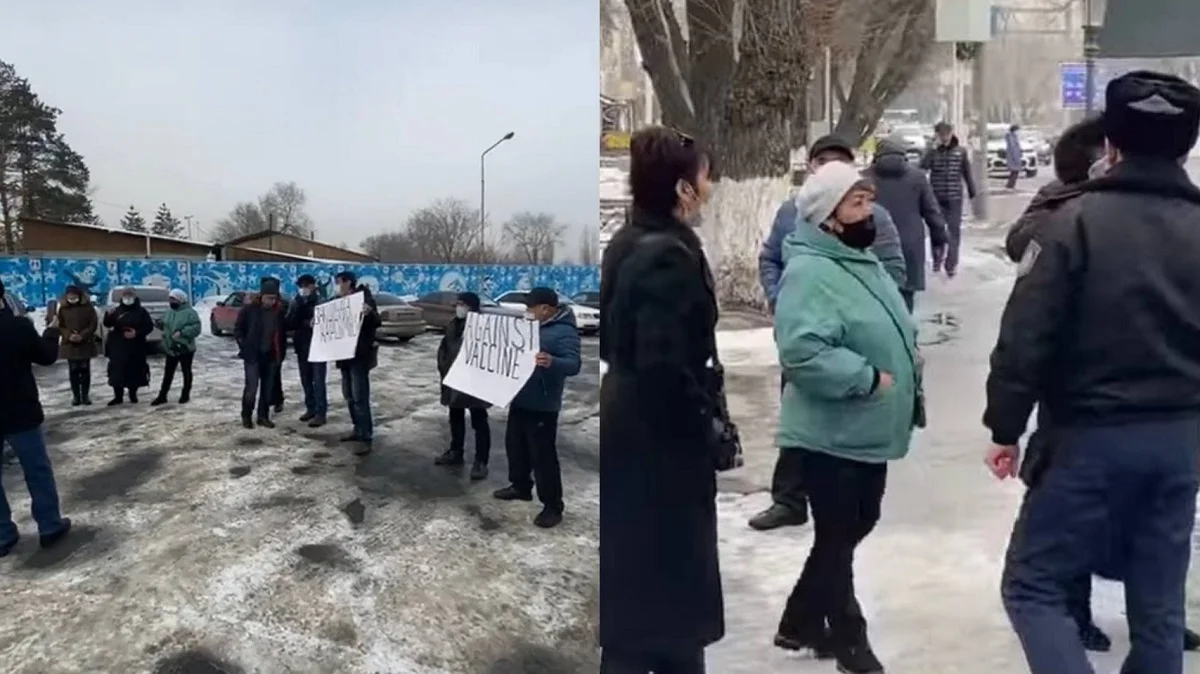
point(1112, 470)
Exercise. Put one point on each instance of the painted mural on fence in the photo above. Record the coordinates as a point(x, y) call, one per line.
point(37, 280)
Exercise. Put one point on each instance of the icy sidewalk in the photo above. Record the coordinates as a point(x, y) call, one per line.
point(928, 577)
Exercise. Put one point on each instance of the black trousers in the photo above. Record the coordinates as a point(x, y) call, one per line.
point(531, 443)
point(626, 663)
point(845, 497)
point(258, 386)
point(1079, 600)
point(184, 363)
point(479, 424)
point(79, 374)
point(787, 483)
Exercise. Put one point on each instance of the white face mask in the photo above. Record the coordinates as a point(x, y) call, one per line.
point(305, 292)
point(529, 316)
point(72, 300)
point(127, 301)
point(460, 311)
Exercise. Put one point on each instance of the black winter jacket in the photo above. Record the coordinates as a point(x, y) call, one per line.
point(20, 349)
point(905, 192)
point(299, 322)
point(949, 169)
point(1103, 322)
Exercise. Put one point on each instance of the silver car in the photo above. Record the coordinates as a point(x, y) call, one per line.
point(154, 300)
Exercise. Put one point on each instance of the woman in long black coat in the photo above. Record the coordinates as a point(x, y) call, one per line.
point(460, 403)
point(128, 326)
point(660, 583)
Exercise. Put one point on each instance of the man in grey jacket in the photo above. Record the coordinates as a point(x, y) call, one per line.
point(790, 506)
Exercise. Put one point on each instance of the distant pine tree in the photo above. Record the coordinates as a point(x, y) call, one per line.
point(133, 221)
point(166, 224)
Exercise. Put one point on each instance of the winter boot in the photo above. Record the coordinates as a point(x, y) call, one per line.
point(479, 471)
point(85, 384)
point(185, 395)
point(133, 396)
point(450, 457)
point(317, 421)
point(118, 397)
point(1191, 641)
point(76, 395)
point(160, 399)
point(854, 655)
point(778, 515)
point(820, 644)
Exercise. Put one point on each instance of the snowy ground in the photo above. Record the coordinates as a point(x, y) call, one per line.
point(928, 577)
point(202, 547)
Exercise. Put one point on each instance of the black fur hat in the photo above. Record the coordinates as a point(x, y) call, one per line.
point(1150, 114)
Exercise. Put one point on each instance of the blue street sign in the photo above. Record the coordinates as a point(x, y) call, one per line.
point(1072, 83)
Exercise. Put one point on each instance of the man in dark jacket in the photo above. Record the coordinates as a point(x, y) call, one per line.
point(789, 506)
point(905, 192)
point(460, 403)
point(949, 167)
point(356, 371)
point(260, 332)
point(1110, 352)
point(21, 420)
point(312, 375)
point(531, 438)
point(128, 326)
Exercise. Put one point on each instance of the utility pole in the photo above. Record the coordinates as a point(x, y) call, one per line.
point(979, 152)
point(189, 220)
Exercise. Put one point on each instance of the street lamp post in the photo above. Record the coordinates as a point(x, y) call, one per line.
point(1093, 21)
point(483, 187)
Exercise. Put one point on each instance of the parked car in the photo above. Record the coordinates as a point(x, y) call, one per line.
point(587, 319)
point(154, 300)
point(997, 150)
point(223, 318)
point(587, 298)
point(915, 138)
point(438, 307)
point(399, 320)
point(1042, 149)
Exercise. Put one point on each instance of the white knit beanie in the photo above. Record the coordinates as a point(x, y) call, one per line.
point(177, 295)
point(822, 191)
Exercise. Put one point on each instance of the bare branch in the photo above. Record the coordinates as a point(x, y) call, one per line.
point(648, 18)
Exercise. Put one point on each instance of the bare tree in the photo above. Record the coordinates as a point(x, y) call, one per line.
point(1023, 72)
point(589, 247)
point(532, 237)
point(885, 42)
point(392, 247)
point(280, 209)
point(445, 231)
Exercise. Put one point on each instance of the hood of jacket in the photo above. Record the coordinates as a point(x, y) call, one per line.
point(890, 160)
point(85, 300)
point(808, 239)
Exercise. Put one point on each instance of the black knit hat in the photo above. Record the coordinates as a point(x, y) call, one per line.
point(306, 280)
point(831, 142)
point(471, 300)
point(1151, 114)
point(541, 295)
point(268, 285)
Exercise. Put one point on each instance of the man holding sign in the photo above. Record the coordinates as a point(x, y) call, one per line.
point(356, 370)
point(530, 440)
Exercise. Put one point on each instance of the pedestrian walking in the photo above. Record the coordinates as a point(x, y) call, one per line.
point(949, 167)
point(21, 426)
point(129, 324)
point(905, 192)
point(180, 328)
point(356, 371)
point(1013, 154)
point(312, 375)
point(789, 507)
point(260, 334)
point(1118, 467)
point(460, 403)
point(77, 324)
point(847, 347)
point(660, 582)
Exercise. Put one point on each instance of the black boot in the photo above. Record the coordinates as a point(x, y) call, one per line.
point(450, 457)
point(778, 515)
point(118, 397)
point(1094, 639)
point(479, 471)
point(854, 655)
point(185, 395)
point(820, 644)
point(247, 419)
point(76, 395)
point(161, 399)
point(85, 385)
point(1191, 641)
point(133, 396)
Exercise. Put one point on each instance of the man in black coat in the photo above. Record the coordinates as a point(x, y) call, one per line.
point(312, 375)
point(1100, 330)
point(905, 192)
point(128, 326)
point(949, 166)
point(21, 420)
point(260, 334)
point(356, 371)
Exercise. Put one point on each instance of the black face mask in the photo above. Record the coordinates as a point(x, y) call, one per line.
point(858, 235)
point(174, 305)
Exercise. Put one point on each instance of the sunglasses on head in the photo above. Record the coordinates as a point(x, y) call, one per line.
point(684, 139)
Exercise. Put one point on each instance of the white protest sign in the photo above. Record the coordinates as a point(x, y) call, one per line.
point(496, 357)
point(336, 325)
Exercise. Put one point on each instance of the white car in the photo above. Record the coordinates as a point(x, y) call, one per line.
point(587, 319)
point(997, 149)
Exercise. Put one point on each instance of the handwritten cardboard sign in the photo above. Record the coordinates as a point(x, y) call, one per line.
point(336, 325)
point(496, 358)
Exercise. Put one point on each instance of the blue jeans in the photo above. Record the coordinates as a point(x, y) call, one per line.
point(1135, 484)
point(30, 448)
point(312, 380)
point(356, 390)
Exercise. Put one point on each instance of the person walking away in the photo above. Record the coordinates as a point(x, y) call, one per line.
point(77, 323)
point(21, 426)
point(1012, 156)
point(356, 371)
point(181, 327)
point(905, 192)
point(531, 436)
point(847, 347)
point(1120, 468)
point(312, 375)
point(129, 324)
point(259, 331)
point(460, 403)
point(660, 581)
point(949, 167)
point(789, 506)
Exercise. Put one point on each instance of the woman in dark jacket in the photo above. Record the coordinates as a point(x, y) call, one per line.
point(129, 324)
point(460, 403)
point(660, 583)
point(77, 323)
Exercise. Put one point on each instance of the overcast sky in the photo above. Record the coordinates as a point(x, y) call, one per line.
point(374, 107)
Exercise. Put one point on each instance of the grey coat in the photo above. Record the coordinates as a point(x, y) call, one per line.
point(905, 192)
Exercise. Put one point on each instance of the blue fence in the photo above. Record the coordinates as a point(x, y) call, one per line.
point(35, 280)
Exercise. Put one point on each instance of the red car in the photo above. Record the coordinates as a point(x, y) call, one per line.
point(224, 315)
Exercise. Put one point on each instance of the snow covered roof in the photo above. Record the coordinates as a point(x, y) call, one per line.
point(292, 256)
point(118, 230)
